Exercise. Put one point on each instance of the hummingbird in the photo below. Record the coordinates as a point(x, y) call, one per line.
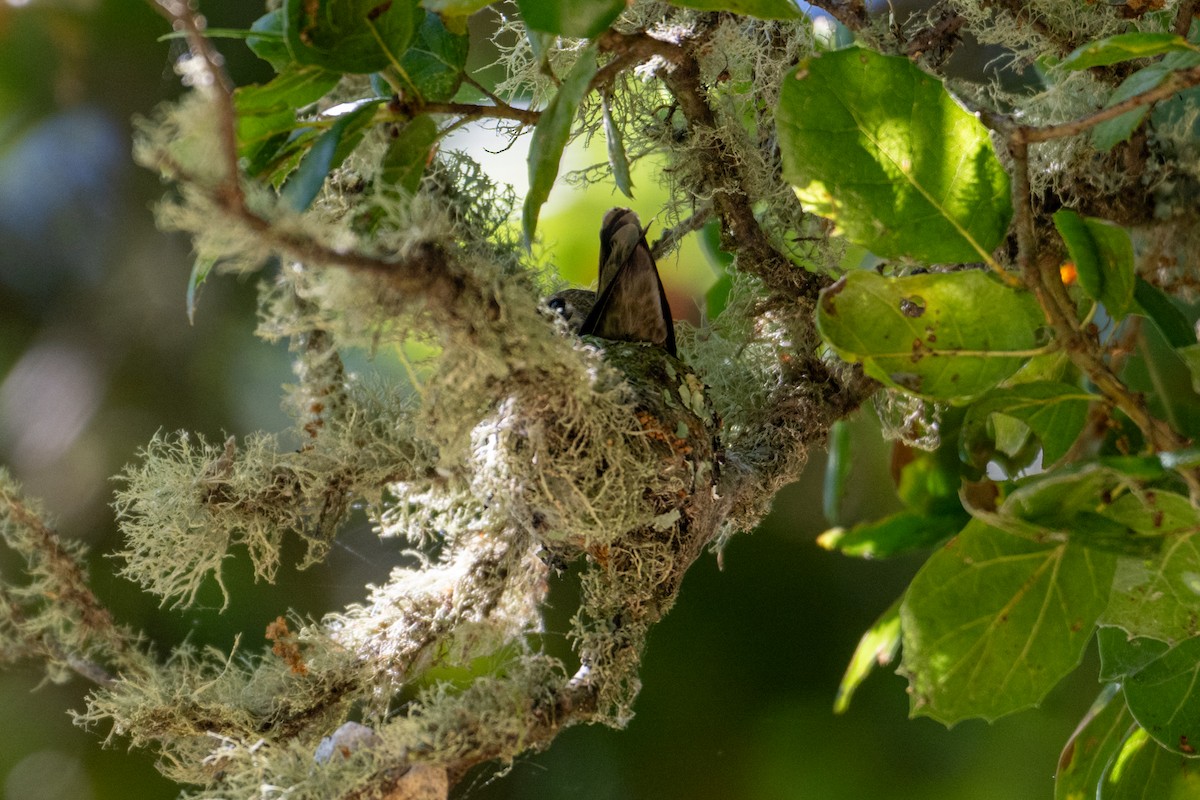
point(629, 303)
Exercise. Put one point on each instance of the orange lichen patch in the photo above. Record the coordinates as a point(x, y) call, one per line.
point(655, 431)
point(284, 645)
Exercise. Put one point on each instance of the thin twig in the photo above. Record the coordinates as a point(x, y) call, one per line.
point(1175, 82)
point(1042, 278)
point(671, 236)
point(181, 16)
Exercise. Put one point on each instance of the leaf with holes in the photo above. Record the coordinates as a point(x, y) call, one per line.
point(942, 336)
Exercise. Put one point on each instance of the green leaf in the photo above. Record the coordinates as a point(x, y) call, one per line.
point(581, 19)
point(408, 154)
point(433, 65)
point(937, 335)
point(617, 160)
point(1123, 47)
point(1055, 412)
point(1164, 697)
point(763, 9)
point(880, 147)
point(1190, 354)
point(1112, 132)
point(267, 113)
point(992, 622)
point(1159, 597)
point(894, 535)
point(270, 47)
point(837, 470)
point(325, 155)
point(876, 648)
point(290, 90)
point(455, 8)
point(1121, 655)
point(356, 36)
point(1142, 770)
point(1103, 256)
point(1165, 315)
point(550, 138)
point(200, 271)
point(1093, 746)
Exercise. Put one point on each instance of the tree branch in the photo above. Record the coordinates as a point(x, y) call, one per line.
point(1175, 82)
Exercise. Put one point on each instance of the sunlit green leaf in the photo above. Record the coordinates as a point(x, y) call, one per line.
point(992, 622)
point(550, 138)
point(1123, 47)
point(876, 648)
point(582, 19)
point(356, 36)
point(938, 335)
point(1093, 746)
point(1143, 770)
point(763, 9)
point(893, 535)
point(1103, 257)
point(267, 113)
point(878, 146)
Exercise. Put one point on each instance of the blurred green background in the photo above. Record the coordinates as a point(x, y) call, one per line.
point(96, 354)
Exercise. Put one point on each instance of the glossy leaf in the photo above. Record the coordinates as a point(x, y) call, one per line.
point(433, 65)
point(877, 648)
point(894, 535)
point(992, 622)
point(326, 153)
point(942, 336)
point(408, 154)
point(1142, 770)
point(1103, 256)
point(1055, 412)
point(355, 36)
point(1123, 47)
point(550, 138)
point(763, 9)
point(582, 19)
point(1164, 697)
point(1093, 746)
point(882, 149)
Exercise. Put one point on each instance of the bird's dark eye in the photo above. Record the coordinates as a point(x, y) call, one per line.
point(558, 304)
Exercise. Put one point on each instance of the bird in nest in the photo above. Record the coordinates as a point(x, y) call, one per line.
point(629, 304)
